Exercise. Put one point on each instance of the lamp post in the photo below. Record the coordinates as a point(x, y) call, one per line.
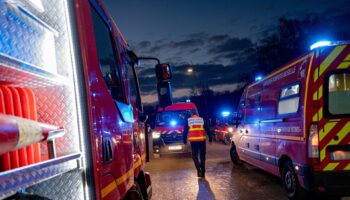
point(190, 71)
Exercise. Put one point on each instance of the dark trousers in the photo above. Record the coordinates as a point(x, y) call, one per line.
point(199, 148)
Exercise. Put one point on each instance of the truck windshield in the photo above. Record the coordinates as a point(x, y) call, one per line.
point(172, 118)
point(339, 94)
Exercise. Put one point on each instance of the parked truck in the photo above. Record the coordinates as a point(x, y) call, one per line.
point(71, 116)
point(296, 123)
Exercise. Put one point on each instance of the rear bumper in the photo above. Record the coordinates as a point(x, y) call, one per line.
point(334, 183)
point(330, 183)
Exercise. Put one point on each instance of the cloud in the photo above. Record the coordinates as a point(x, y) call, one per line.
point(232, 44)
point(144, 44)
point(218, 38)
point(227, 87)
point(184, 44)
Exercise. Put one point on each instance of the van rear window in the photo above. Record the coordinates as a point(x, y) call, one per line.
point(339, 93)
point(289, 99)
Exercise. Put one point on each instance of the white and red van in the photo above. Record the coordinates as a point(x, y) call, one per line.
point(296, 123)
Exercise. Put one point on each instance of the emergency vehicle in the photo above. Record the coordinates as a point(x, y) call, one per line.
point(224, 127)
point(71, 117)
point(296, 123)
point(169, 126)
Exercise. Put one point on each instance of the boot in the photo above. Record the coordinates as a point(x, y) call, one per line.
point(199, 173)
point(203, 174)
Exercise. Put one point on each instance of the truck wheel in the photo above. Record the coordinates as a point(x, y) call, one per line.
point(234, 156)
point(290, 182)
point(134, 193)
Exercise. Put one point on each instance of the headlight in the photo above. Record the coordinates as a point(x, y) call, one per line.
point(230, 129)
point(155, 135)
point(142, 136)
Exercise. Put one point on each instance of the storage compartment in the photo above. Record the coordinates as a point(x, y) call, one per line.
point(37, 64)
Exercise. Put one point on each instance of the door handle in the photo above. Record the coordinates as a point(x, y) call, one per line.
point(107, 150)
point(257, 147)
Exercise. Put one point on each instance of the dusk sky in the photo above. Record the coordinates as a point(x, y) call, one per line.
point(211, 36)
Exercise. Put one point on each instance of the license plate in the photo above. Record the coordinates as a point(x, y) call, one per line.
point(175, 147)
point(340, 155)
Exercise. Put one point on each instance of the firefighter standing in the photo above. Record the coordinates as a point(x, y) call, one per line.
point(195, 132)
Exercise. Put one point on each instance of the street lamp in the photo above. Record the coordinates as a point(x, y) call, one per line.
point(190, 71)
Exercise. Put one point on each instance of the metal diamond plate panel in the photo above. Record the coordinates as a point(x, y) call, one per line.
point(25, 38)
point(39, 41)
point(14, 180)
point(25, 61)
point(55, 106)
point(66, 186)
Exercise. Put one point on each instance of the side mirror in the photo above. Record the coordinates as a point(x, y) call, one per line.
point(163, 72)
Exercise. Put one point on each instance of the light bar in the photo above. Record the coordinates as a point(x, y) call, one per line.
point(258, 78)
point(320, 44)
point(173, 123)
point(225, 113)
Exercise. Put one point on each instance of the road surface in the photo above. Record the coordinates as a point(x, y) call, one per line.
point(175, 177)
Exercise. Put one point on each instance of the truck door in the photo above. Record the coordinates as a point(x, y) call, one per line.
point(134, 98)
point(249, 141)
point(110, 114)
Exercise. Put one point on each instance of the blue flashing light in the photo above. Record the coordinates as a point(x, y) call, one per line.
point(173, 123)
point(258, 78)
point(225, 113)
point(188, 100)
point(320, 44)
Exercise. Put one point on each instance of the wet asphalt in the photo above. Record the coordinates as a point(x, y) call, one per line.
point(174, 178)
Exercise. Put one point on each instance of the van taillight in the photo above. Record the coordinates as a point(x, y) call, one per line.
point(313, 148)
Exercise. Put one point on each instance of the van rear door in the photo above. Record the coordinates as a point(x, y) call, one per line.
point(332, 76)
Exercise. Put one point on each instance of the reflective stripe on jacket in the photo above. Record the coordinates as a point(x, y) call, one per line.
point(196, 131)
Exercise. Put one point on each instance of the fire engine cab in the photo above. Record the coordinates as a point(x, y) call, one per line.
point(169, 126)
point(71, 116)
point(296, 123)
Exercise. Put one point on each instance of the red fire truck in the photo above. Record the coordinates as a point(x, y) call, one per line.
point(169, 126)
point(71, 117)
point(296, 123)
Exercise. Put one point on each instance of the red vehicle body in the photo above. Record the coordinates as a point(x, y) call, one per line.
point(223, 129)
point(169, 126)
point(68, 76)
point(295, 123)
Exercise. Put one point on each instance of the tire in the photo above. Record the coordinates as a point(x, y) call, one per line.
point(234, 156)
point(290, 182)
point(142, 185)
point(134, 193)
